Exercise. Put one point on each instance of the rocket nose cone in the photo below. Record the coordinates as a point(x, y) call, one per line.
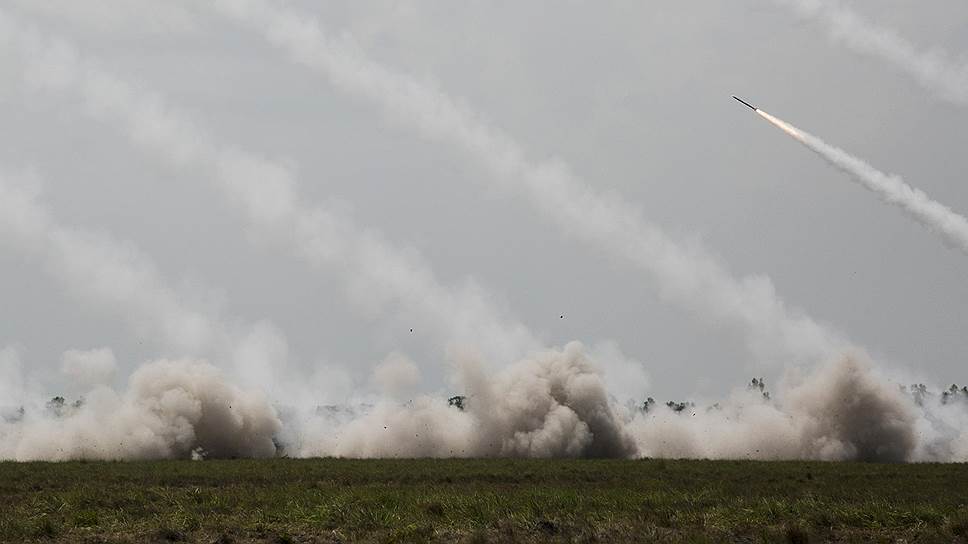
point(743, 102)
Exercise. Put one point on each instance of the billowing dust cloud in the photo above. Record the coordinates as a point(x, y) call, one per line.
point(842, 411)
point(171, 409)
point(551, 404)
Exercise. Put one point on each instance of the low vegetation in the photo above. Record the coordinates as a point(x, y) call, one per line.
point(329, 500)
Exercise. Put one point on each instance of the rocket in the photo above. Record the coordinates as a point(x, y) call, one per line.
point(745, 103)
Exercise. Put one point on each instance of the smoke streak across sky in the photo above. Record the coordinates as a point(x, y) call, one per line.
point(266, 193)
point(936, 217)
point(934, 69)
point(687, 275)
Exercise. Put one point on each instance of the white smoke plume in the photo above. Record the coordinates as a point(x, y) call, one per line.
point(936, 217)
point(685, 274)
point(171, 409)
point(934, 69)
point(379, 275)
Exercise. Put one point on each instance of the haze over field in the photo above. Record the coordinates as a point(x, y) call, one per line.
point(264, 227)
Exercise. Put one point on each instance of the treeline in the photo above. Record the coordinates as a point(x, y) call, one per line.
point(59, 407)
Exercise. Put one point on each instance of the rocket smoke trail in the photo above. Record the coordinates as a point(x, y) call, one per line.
point(950, 225)
point(266, 193)
point(933, 69)
point(684, 274)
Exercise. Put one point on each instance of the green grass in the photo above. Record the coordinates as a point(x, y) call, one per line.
point(329, 500)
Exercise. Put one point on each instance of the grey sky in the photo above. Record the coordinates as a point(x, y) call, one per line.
point(634, 97)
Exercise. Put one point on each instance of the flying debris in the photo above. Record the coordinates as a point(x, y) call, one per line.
point(745, 103)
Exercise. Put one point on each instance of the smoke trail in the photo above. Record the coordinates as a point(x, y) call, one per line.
point(936, 217)
point(934, 70)
point(685, 274)
point(265, 192)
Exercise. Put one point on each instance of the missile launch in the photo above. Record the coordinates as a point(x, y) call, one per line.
point(935, 216)
point(779, 123)
point(745, 103)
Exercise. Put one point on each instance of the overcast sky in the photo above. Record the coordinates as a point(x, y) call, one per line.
point(633, 96)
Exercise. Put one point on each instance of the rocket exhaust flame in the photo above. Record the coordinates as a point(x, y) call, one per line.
point(783, 125)
point(951, 226)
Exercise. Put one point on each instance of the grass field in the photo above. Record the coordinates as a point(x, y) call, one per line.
point(329, 500)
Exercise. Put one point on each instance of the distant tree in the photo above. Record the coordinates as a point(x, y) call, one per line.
point(55, 406)
point(953, 393)
point(647, 405)
point(919, 392)
point(678, 407)
point(457, 401)
point(59, 407)
point(757, 384)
